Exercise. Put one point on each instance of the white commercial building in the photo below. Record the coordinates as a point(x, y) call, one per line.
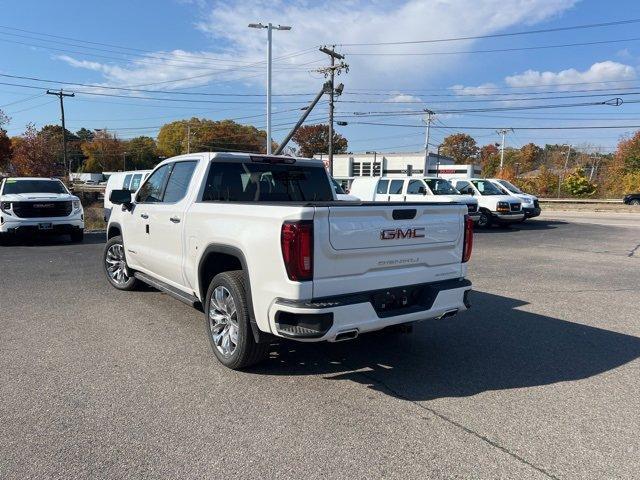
point(347, 166)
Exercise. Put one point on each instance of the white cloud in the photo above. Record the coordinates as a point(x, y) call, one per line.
point(483, 89)
point(329, 22)
point(616, 75)
point(404, 98)
point(608, 71)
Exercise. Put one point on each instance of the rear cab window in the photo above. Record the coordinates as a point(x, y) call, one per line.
point(270, 182)
point(127, 182)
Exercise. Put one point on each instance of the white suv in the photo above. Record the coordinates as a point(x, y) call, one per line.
point(30, 204)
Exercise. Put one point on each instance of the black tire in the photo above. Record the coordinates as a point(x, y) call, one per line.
point(634, 202)
point(485, 219)
point(128, 281)
point(246, 352)
point(77, 236)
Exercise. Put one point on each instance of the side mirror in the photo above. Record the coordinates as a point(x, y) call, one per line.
point(121, 197)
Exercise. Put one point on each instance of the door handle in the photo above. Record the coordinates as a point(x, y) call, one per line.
point(144, 215)
point(175, 219)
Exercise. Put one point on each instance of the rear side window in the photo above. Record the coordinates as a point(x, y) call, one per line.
point(152, 190)
point(252, 182)
point(127, 182)
point(382, 187)
point(179, 181)
point(396, 187)
point(135, 182)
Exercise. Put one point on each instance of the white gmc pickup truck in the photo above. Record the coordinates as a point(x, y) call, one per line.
point(39, 205)
point(263, 246)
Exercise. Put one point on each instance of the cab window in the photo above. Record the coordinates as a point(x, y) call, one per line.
point(395, 188)
point(179, 180)
point(127, 182)
point(135, 182)
point(416, 187)
point(153, 189)
point(383, 185)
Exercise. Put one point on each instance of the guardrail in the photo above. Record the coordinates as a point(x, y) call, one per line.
point(581, 200)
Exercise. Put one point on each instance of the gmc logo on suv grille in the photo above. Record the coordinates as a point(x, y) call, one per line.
point(398, 233)
point(43, 205)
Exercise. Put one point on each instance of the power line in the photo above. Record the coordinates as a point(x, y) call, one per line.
point(497, 50)
point(499, 35)
point(165, 92)
point(565, 127)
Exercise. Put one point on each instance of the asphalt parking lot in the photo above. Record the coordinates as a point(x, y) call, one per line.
point(541, 379)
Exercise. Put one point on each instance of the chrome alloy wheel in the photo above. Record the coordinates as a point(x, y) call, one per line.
point(116, 264)
point(223, 321)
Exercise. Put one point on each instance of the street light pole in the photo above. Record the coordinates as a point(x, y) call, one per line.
point(270, 27)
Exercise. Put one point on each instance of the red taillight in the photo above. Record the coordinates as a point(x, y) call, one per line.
point(296, 239)
point(468, 239)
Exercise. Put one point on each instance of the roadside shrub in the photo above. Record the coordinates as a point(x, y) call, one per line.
point(631, 182)
point(578, 185)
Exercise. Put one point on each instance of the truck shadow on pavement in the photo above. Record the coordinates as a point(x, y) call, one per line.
point(51, 240)
point(493, 346)
point(524, 226)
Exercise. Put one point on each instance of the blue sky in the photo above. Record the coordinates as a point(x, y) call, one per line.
point(205, 47)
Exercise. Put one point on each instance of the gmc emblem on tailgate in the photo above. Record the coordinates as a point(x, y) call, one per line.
point(393, 233)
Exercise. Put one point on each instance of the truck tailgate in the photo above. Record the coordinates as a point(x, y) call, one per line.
point(381, 245)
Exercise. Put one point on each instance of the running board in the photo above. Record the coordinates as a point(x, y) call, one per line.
point(174, 292)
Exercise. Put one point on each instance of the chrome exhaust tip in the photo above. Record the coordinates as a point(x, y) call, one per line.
point(346, 335)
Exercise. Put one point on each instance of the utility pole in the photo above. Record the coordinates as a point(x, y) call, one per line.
point(331, 72)
point(426, 140)
point(564, 171)
point(61, 96)
point(270, 27)
point(503, 132)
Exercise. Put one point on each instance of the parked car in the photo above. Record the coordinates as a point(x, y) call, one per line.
point(44, 205)
point(263, 245)
point(632, 199)
point(411, 189)
point(122, 181)
point(530, 203)
point(494, 205)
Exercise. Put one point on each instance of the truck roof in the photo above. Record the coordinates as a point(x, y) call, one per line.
point(240, 156)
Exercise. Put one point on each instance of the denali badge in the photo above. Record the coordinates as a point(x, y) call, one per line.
point(393, 233)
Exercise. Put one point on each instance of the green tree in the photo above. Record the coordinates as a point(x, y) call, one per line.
point(313, 139)
point(209, 135)
point(578, 185)
point(461, 147)
point(85, 135)
point(141, 153)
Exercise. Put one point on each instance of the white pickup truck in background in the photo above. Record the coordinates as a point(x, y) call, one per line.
point(494, 205)
point(39, 205)
point(411, 189)
point(263, 245)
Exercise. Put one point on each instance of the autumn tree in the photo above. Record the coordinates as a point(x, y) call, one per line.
point(141, 153)
point(461, 147)
point(313, 139)
point(52, 135)
point(489, 160)
point(32, 155)
point(104, 153)
point(528, 156)
point(209, 135)
point(5, 143)
point(624, 168)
